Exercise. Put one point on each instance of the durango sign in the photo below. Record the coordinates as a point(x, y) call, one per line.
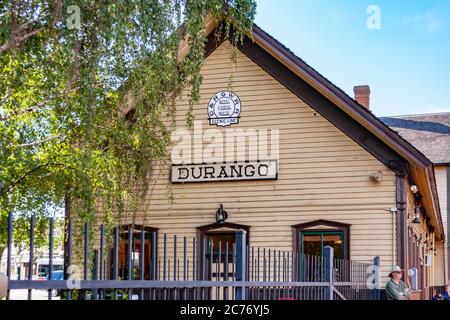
point(232, 171)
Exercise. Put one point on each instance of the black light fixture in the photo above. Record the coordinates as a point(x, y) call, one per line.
point(221, 215)
point(416, 215)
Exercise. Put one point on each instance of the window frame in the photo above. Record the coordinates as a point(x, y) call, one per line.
point(330, 226)
point(202, 233)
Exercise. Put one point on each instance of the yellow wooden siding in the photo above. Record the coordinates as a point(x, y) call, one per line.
point(441, 257)
point(323, 174)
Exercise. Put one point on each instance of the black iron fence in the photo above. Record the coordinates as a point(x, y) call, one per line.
point(140, 264)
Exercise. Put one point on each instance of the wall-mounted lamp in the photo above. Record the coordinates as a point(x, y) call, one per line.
point(414, 189)
point(416, 215)
point(221, 215)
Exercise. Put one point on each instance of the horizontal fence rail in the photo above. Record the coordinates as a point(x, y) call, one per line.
point(135, 262)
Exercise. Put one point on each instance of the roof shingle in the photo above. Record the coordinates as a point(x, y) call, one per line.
point(430, 133)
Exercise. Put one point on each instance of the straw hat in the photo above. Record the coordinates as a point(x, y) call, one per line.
point(395, 269)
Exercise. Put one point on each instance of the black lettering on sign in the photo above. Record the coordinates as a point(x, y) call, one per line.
point(186, 173)
point(199, 175)
point(223, 172)
point(249, 173)
point(234, 171)
point(238, 173)
point(263, 170)
point(209, 171)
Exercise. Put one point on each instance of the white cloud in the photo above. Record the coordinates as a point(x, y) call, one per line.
point(428, 21)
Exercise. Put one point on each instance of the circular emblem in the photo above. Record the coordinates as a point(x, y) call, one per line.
point(224, 109)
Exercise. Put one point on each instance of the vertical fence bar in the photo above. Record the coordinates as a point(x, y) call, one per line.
point(211, 260)
point(31, 260)
point(194, 254)
point(154, 255)
point(9, 248)
point(175, 264)
point(94, 273)
point(225, 271)
point(258, 266)
point(101, 262)
point(174, 257)
point(329, 257)
point(241, 262)
point(165, 264)
point(219, 251)
point(50, 255)
point(130, 260)
point(194, 263)
point(142, 260)
point(116, 258)
point(165, 257)
point(264, 272)
point(86, 251)
point(69, 254)
point(377, 284)
point(185, 266)
point(203, 263)
point(86, 255)
point(233, 267)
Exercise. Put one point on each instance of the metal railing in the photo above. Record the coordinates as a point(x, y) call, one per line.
point(195, 270)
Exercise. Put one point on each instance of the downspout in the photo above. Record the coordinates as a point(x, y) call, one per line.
point(394, 235)
point(401, 220)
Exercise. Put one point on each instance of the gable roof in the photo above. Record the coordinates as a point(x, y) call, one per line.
point(336, 106)
point(346, 102)
point(343, 111)
point(429, 133)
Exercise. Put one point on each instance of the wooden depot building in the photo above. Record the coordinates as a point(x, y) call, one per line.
point(310, 166)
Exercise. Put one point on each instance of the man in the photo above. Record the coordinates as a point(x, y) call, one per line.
point(396, 289)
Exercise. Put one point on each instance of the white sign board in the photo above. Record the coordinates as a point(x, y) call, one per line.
point(229, 171)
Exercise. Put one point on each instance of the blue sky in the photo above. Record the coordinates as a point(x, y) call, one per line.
point(406, 62)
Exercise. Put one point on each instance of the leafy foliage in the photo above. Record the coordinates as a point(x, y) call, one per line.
point(64, 89)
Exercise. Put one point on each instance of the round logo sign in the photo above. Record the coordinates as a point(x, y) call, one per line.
point(224, 109)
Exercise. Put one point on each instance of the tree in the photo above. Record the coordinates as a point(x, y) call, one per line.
point(68, 68)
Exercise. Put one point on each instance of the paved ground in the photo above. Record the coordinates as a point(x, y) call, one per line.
point(35, 295)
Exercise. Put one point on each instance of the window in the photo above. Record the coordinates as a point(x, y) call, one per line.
point(310, 238)
point(314, 242)
point(136, 254)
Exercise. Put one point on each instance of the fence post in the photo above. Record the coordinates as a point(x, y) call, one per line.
point(9, 248)
point(329, 257)
point(377, 284)
point(94, 273)
point(154, 261)
point(241, 262)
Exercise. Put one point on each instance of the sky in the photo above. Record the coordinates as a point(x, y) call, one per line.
point(402, 53)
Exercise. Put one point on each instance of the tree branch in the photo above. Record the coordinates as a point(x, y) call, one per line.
point(18, 40)
point(20, 179)
point(37, 106)
point(30, 109)
point(35, 143)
